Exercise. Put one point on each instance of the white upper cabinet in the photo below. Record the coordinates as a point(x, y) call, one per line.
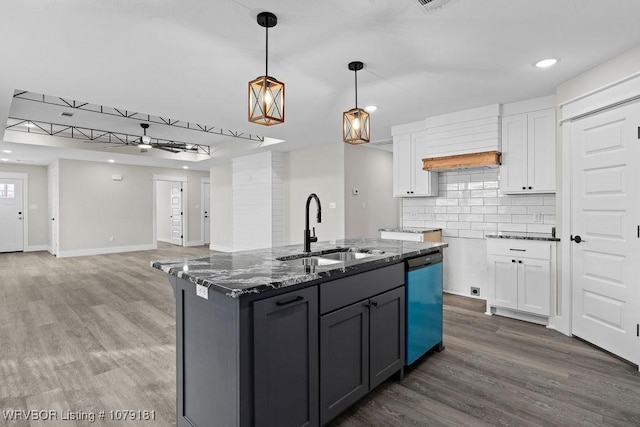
point(409, 179)
point(529, 148)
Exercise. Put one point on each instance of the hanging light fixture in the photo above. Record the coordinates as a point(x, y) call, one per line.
point(355, 122)
point(145, 141)
point(266, 94)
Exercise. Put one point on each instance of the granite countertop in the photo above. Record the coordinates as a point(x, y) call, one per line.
point(523, 236)
point(409, 229)
point(239, 273)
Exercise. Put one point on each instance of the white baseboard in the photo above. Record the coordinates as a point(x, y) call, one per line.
point(36, 248)
point(446, 291)
point(103, 251)
point(540, 320)
point(160, 239)
point(195, 243)
point(220, 248)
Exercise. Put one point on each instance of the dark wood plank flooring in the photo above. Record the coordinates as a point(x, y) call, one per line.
point(98, 333)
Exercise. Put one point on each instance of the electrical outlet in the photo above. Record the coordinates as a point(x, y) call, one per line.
point(475, 291)
point(111, 238)
point(202, 291)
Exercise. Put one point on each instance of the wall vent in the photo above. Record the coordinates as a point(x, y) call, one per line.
point(431, 5)
point(66, 114)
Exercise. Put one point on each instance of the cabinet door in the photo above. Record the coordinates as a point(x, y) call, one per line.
point(534, 286)
point(286, 359)
point(513, 172)
point(402, 185)
point(386, 326)
point(542, 151)
point(424, 183)
point(503, 272)
point(344, 359)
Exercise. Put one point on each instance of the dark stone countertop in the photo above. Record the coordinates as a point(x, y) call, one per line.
point(523, 236)
point(409, 230)
point(246, 272)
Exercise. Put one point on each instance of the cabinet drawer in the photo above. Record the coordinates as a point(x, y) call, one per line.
point(342, 292)
point(519, 248)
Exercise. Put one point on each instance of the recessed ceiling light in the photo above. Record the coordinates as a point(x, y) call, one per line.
point(546, 63)
point(185, 167)
point(29, 124)
point(5, 160)
point(7, 151)
point(370, 108)
point(111, 161)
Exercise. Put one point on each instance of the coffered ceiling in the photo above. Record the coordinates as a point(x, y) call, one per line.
point(191, 61)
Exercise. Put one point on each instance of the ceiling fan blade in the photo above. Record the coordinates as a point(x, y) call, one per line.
point(171, 150)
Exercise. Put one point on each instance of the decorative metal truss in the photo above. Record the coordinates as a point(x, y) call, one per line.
point(118, 112)
point(101, 136)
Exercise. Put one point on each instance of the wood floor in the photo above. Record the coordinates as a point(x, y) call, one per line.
point(98, 333)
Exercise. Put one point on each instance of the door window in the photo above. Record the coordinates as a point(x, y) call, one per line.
point(7, 191)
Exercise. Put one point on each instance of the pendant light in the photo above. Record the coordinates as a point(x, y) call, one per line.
point(266, 94)
point(145, 141)
point(355, 122)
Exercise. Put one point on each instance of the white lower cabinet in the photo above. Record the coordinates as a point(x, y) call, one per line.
point(522, 277)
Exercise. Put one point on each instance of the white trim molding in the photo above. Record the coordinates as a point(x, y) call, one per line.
point(220, 248)
point(203, 181)
point(109, 250)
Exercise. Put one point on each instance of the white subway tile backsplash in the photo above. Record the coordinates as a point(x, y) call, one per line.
point(484, 209)
point(471, 205)
point(512, 227)
point(459, 209)
point(512, 210)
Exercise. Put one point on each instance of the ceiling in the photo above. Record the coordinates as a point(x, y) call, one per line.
point(191, 61)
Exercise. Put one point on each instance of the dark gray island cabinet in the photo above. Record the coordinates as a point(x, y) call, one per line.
point(297, 354)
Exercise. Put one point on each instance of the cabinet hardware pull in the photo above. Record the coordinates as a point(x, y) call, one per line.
point(518, 250)
point(513, 260)
point(367, 305)
point(374, 303)
point(289, 300)
point(524, 188)
point(519, 261)
point(530, 188)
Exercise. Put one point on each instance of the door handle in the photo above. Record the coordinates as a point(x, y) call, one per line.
point(577, 239)
point(288, 301)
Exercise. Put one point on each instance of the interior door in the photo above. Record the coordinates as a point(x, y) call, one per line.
point(11, 216)
point(605, 200)
point(206, 208)
point(176, 214)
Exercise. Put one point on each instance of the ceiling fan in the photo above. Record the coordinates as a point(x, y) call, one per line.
point(145, 142)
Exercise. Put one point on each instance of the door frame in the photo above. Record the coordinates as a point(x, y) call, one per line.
point(203, 181)
point(183, 180)
point(609, 96)
point(24, 177)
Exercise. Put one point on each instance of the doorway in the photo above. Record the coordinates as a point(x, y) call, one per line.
point(170, 209)
point(205, 199)
point(605, 235)
point(13, 213)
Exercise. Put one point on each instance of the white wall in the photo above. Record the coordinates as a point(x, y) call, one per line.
point(163, 211)
point(370, 171)
point(38, 203)
point(258, 211)
point(93, 207)
point(317, 170)
point(221, 208)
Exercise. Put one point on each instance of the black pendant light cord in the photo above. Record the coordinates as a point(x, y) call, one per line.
point(266, 59)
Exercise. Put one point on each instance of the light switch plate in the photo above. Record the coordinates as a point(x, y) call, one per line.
point(202, 291)
point(332, 205)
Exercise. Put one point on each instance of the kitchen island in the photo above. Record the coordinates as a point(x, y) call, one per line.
point(281, 337)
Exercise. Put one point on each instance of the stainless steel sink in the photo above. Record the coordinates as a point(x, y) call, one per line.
point(345, 256)
point(317, 261)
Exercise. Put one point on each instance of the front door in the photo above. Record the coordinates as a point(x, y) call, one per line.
point(605, 198)
point(11, 216)
point(176, 214)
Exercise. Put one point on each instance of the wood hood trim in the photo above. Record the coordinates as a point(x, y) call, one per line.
point(462, 161)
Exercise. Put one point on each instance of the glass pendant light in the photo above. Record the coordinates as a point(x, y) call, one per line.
point(355, 122)
point(266, 94)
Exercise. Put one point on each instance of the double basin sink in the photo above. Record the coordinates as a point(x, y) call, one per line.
point(331, 256)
